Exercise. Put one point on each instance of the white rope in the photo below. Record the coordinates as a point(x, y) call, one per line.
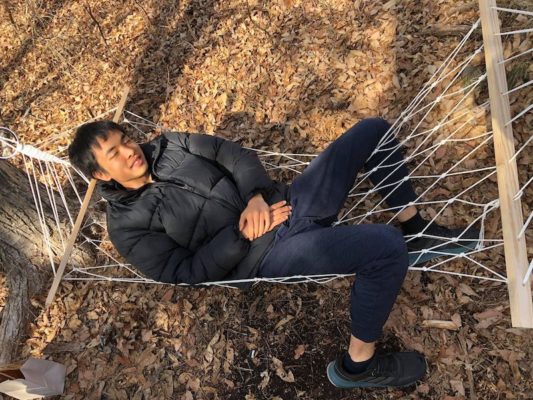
point(527, 30)
point(411, 172)
point(462, 275)
point(438, 264)
point(477, 112)
point(39, 210)
point(10, 143)
point(518, 88)
point(513, 10)
point(81, 175)
point(134, 126)
point(444, 174)
point(515, 56)
point(432, 267)
point(520, 192)
point(490, 206)
point(140, 278)
point(46, 231)
point(418, 203)
point(72, 184)
point(486, 268)
point(466, 172)
point(99, 278)
point(405, 116)
point(449, 201)
point(519, 115)
point(106, 266)
point(35, 153)
point(273, 167)
point(62, 195)
point(285, 156)
point(521, 149)
point(53, 205)
point(431, 84)
point(450, 240)
point(432, 131)
point(89, 240)
point(418, 177)
point(439, 125)
point(151, 123)
point(442, 97)
point(526, 224)
point(273, 153)
point(148, 123)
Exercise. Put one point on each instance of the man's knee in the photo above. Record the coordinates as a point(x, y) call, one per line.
point(374, 126)
point(396, 248)
point(369, 132)
point(393, 238)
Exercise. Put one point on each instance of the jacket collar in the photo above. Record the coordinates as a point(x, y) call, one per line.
point(114, 192)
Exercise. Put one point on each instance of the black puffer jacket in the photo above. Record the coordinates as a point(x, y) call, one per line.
point(183, 228)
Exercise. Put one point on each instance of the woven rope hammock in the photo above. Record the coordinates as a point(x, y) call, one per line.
point(461, 127)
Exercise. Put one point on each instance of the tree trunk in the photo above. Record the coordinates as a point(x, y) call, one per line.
point(23, 258)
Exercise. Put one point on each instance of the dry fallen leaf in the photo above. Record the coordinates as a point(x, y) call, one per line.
point(187, 396)
point(266, 379)
point(299, 351)
point(285, 376)
point(283, 321)
point(457, 385)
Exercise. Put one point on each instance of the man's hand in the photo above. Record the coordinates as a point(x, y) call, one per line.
point(256, 216)
point(277, 214)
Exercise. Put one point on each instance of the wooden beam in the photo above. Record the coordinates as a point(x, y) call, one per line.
point(81, 214)
point(511, 210)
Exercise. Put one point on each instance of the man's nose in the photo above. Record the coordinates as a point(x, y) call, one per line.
point(129, 152)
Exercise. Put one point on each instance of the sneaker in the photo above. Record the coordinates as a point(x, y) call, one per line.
point(438, 241)
point(386, 370)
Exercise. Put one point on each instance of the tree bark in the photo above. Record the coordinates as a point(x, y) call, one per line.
point(23, 256)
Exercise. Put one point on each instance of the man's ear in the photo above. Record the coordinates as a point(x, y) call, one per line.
point(101, 175)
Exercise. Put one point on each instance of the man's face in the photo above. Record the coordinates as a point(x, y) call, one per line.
point(121, 159)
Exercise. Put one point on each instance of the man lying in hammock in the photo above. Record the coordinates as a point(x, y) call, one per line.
point(192, 208)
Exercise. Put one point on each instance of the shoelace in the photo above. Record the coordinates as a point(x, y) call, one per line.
point(385, 366)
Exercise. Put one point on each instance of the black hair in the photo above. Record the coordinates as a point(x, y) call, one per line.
point(80, 151)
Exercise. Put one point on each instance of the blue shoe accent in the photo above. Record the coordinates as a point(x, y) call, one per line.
point(421, 256)
point(342, 383)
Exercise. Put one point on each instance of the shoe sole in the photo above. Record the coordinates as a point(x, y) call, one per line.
point(341, 383)
point(418, 258)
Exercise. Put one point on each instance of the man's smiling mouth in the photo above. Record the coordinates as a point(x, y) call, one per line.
point(137, 162)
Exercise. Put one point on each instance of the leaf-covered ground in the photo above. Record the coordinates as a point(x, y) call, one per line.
point(284, 75)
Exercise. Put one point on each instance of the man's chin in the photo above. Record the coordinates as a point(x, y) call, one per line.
point(140, 171)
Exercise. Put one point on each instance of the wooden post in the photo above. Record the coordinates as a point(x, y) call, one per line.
point(81, 214)
point(511, 210)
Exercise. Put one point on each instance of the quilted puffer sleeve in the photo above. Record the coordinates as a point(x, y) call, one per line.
point(241, 163)
point(160, 258)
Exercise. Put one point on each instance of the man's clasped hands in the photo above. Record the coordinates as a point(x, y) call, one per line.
point(259, 218)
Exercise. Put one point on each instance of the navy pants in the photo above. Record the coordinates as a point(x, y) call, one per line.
point(307, 244)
